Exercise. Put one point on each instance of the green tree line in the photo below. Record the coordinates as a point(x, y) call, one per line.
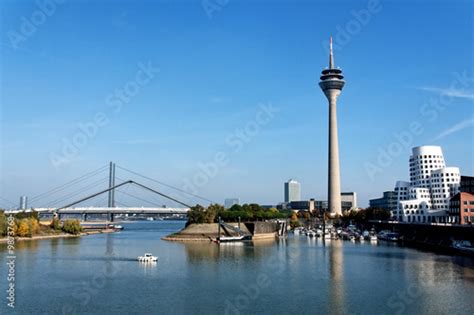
point(246, 212)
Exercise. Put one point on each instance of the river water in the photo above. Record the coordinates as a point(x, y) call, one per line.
point(98, 274)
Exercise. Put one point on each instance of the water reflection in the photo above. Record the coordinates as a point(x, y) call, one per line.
point(28, 245)
point(109, 254)
point(336, 283)
point(200, 252)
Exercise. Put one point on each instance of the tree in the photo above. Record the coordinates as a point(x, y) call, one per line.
point(3, 223)
point(210, 214)
point(306, 215)
point(72, 226)
point(294, 217)
point(23, 228)
point(273, 210)
point(255, 207)
point(55, 224)
point(294, 222)
point(236, 208)
point(195, 215)
point(33, 225)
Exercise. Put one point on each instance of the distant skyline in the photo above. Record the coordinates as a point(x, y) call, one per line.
point(224, 100)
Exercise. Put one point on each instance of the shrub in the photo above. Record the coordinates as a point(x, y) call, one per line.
point(23, 228)
point(55, 224)
point(3, 223)
point(33, 225)
point(72, 227)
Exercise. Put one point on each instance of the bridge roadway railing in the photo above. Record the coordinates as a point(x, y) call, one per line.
point(104, 210)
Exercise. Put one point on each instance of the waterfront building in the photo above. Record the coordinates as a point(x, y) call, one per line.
point(283, 206)
point(387, 202)
point(461, 208)
point(331, 84)
point(229, 202)
point(299, 205)
point(348, 202)
point(425, 198)
point(292, 191)
point(467, 184)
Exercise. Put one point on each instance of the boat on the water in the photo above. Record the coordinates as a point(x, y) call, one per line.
point(464, 246)
point(148, 257)
point(115, 227)
point(225, 239)
point(370, 235)
point(389, 236)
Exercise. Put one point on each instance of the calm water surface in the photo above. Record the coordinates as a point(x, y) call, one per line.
point(98, 274)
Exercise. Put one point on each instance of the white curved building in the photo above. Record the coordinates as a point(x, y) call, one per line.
point(425, 198)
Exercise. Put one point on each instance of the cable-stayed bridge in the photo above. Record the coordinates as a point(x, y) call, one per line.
point(84, 196)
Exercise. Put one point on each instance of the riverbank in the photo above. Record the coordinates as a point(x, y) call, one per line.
point(59, 235)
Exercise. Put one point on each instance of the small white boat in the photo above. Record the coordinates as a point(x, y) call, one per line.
point(150, 219)
point(115, 227)
point(464, 246)
point(148, 257)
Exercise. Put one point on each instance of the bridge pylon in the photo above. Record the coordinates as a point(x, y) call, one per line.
point(111, 203)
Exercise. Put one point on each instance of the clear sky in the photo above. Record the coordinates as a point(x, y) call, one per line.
point(236, 91)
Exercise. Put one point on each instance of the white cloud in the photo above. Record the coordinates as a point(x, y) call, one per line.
point(450, 92)
point(457, 127)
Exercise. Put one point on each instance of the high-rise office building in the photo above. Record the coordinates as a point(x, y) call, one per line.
point(292, 191)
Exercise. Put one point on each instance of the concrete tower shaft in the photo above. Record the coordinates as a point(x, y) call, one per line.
point(331, 84)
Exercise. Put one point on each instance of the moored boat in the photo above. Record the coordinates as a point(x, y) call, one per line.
point(463, 246)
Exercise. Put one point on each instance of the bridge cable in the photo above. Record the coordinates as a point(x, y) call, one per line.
point(79, 191)
point(161, 194)
point(94, 195)
point(117, 186)
point(164, 184)
point(8, 201)
point(155, 198)
point(126, 189)
point(71, 182)
point(138, 198)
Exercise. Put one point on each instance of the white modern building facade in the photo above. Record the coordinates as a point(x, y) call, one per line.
point(292, 191)
point(425, 198)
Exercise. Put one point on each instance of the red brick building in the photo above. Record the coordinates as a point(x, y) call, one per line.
point(461, 208)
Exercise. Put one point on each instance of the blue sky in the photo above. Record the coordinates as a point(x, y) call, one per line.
point(405, 63)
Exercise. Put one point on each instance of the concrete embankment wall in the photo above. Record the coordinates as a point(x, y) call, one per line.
point(262, 230)
point(436, 237)
point(208, 231)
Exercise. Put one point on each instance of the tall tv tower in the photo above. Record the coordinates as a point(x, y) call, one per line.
point(332, 83)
